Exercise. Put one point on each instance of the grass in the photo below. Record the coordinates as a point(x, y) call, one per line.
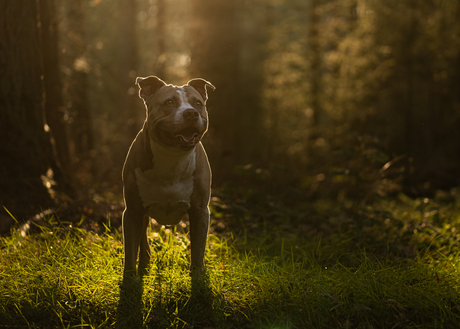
point(392, 265)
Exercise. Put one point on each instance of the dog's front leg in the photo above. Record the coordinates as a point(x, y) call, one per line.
point(133, 225)
point(144, 250)
point(199, 224)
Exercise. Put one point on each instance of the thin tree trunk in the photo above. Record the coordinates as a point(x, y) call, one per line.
point(314, 61)
point(53, 89)
point(82, 135)
point(160, 29)
point(130, 97)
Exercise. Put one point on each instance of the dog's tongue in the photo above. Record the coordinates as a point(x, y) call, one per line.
point(187, 135)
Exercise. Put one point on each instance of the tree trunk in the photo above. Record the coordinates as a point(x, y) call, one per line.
point(314, 62)
point(160, 29)
point(214, 56)
point(54, 110)
point(25, 148)
point(129, 101)
point(82, 134)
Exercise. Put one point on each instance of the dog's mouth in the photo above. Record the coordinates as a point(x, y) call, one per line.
point(188, 135)
point(185, 139)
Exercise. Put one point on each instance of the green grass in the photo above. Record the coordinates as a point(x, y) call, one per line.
point(358, 275)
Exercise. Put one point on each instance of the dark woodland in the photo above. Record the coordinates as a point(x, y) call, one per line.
point(332, 99)
point(334, 143)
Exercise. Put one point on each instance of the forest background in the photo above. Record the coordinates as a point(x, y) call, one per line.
point(334, 142)
point(320, 99)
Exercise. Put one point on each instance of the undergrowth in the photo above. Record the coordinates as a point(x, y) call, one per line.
point(390, 265)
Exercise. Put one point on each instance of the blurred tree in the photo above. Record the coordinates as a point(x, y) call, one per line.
point(54, 109)
point(255, 24)
point(228, 47)
point(129, 62)
point(288, 114)
point(81, 125)
point(314, 59)
point(214, 56)
point(160, 30)
point(27, 161)
point(314, 76)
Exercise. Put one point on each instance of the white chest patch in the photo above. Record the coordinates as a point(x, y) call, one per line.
point(166, 189)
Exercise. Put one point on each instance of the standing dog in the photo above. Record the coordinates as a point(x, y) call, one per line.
point(166, 174)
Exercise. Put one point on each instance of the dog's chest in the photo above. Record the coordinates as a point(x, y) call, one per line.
point(166, 189)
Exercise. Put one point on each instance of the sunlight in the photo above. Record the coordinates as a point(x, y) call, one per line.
point(81, 64)
point(48, 181)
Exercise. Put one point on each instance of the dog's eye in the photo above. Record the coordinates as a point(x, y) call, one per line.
point(169, 102)
point(199, 103)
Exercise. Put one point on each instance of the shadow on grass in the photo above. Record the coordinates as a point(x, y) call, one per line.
point(195, 308)
point(129, 310)
point(203, 308)
point(199, 307)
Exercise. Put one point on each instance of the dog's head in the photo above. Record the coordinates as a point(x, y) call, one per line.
point(176, 116)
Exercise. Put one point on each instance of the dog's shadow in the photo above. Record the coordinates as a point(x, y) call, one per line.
point(129, 310)
point(130, 305)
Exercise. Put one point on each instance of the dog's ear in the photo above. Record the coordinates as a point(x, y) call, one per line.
point(200, 85)
point(148, 86)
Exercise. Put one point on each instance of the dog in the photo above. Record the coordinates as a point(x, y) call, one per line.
point(166, 174)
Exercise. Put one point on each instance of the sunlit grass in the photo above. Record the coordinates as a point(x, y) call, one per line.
point(67, 277)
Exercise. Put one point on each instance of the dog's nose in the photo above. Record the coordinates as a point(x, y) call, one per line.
point(191, 115)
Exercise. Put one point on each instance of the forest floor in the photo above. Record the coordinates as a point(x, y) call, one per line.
point(274, 260)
